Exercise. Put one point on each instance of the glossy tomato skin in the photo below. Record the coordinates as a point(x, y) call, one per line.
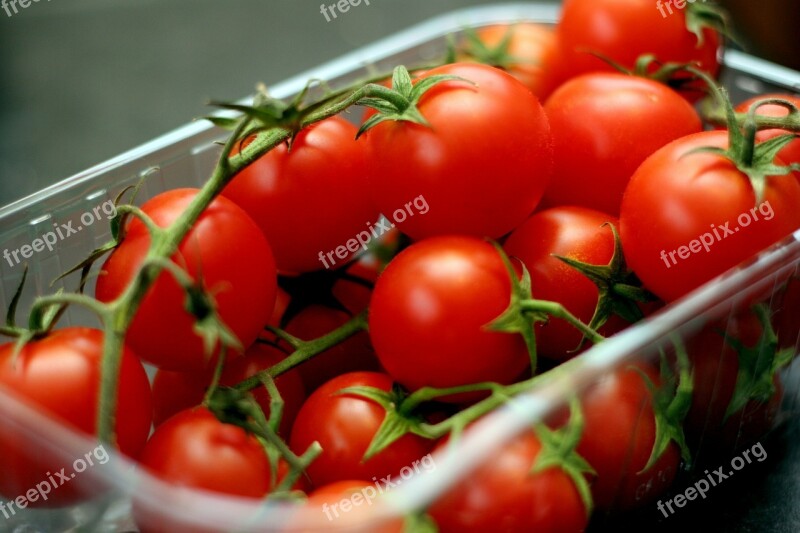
point(352, 355)
point(603, 129)
point(224, 246)
point(674, 200)
point(503, 495)
point(174, 392)
point(573, 232)
point(344, 425)
point(791, 152)
point(536, 49)
point(429, 312)
point(618, 439)
point(482, 165)
point(624, 30)
point(60, 375)
point(311, 199)
point(194, 449)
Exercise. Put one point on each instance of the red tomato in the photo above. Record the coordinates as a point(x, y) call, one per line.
point(624, 30)
point(354, 354)
point(715, 363)
point(791, 152)
point(60, 374)
point(429, 314)
point(481, 166)
point(226, 248)
point(344, 424)
point(344, 505)
point(534, 52)
point(678, 201)
point(503, 495)
point(573, 232)
point(194, 449)
point(174, 392)
point(602, 127)
point(309, 200)
point(618, 440)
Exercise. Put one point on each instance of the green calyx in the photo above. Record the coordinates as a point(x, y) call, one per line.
point(400, 102)
point(703, 15)
point(559, 451)
point(671, 403)
point(755, 160)
point(619, 290)
point(524, 312)
point(758, 365)
point(496, 56)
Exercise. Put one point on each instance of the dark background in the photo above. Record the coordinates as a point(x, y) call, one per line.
point(83, 80)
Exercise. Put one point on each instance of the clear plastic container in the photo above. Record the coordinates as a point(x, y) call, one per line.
point(185, 157)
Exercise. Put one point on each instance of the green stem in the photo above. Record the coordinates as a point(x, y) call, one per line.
point(307, 350)
point(41, 305)
point(557, 310)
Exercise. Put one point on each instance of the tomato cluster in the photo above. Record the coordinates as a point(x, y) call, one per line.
point(547, 227)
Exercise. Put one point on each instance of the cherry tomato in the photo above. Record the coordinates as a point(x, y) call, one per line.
point(504, 495)
point(311, 199)
point(344, 505)
point(60, 375)
point(430, 310)
point(533, 50)
point(687, 218)
point(624, 31)
point(602, 127)
point(226, 248)
point(618, 439)
point(576, 233)
point(482, 165)
point(715, 364)
point(345, 424)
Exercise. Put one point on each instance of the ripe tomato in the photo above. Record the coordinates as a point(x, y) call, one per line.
point(602, 127)
point(687, 218)
point(226, 248)
point(343, 505)
point(429, 314)
point(344, 424)
point(791, 152)
point(60, 374)
point(618, 439)
point(352, 355)
point(573, 232)
point(482, 165)
point(533, 53)
point(310, 199)
point(174, 392)
point(715, 364)
point(503, 495)
point(624, 30)
point(195, 450)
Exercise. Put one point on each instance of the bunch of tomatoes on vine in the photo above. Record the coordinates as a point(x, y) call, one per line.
point(559, 167)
